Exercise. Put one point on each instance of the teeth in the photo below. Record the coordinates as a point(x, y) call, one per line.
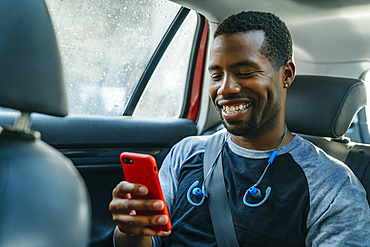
point(233, 109)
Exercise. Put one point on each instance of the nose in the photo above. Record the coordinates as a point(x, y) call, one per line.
point(229, 86)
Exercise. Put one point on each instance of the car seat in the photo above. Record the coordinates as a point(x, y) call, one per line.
point(321, 109)
point(43, 198)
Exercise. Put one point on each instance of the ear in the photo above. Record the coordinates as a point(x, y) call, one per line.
point(288, 73)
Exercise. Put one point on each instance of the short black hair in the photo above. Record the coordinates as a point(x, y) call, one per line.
point(277, 46)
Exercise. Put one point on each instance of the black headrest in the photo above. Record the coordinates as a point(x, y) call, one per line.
point(31, 77)
point(323, 106)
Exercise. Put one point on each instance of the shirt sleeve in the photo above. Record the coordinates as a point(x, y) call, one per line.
point(346, 220)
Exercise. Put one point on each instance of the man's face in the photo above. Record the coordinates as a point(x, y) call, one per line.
point(244, 87)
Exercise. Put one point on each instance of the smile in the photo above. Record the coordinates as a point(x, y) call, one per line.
point(231, 109)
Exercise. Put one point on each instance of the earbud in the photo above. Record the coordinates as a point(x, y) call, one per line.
point(197, 192)
point(255, 190)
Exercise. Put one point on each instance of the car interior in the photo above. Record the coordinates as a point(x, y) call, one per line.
point(44, 200)
point(77, 83)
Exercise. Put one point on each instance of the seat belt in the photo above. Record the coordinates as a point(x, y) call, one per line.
point(217, 200)
point(358, 160)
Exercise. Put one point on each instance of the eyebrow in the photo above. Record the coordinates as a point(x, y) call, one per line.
point(213, 67)
point(235, 65)
point(245, 63)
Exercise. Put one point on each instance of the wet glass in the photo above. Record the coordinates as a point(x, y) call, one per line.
point(105, 46)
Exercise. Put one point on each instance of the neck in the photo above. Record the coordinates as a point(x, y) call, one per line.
point(266, 140)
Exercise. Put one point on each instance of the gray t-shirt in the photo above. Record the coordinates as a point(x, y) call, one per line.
point(315, 200)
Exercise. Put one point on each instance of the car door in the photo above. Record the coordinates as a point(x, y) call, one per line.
point(134, 76)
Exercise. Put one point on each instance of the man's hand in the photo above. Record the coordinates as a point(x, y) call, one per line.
point(123, 209)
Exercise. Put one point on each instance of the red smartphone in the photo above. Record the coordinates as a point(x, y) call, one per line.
point(142, 169)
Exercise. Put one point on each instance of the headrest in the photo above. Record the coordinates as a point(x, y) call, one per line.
point(31, 77)
point(323, 106)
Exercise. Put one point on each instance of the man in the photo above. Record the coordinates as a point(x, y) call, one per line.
point(314, 201)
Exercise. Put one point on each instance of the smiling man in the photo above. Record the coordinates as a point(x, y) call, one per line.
point(247, 91)
point(311, 198)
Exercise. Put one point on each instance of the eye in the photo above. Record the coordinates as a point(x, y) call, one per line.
point(246, 74)
point(216, 77)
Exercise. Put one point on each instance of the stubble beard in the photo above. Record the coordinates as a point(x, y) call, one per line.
point(240, 128)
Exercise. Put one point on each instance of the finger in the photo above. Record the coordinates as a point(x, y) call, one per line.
point(125, 187)
point(141, 231)
point(118, 206)
point(141, 220)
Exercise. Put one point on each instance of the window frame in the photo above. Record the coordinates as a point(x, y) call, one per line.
point(194, 81)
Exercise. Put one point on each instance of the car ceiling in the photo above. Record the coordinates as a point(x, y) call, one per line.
point(330, 37)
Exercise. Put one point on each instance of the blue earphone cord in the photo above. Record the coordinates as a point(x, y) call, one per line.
point(252, 189)
point(271, 159)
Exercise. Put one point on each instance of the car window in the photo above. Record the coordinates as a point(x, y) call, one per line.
point(105, 46)
point(164, 94)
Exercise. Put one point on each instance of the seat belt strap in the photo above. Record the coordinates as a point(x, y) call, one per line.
point(358, 160)
point(217, 199)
